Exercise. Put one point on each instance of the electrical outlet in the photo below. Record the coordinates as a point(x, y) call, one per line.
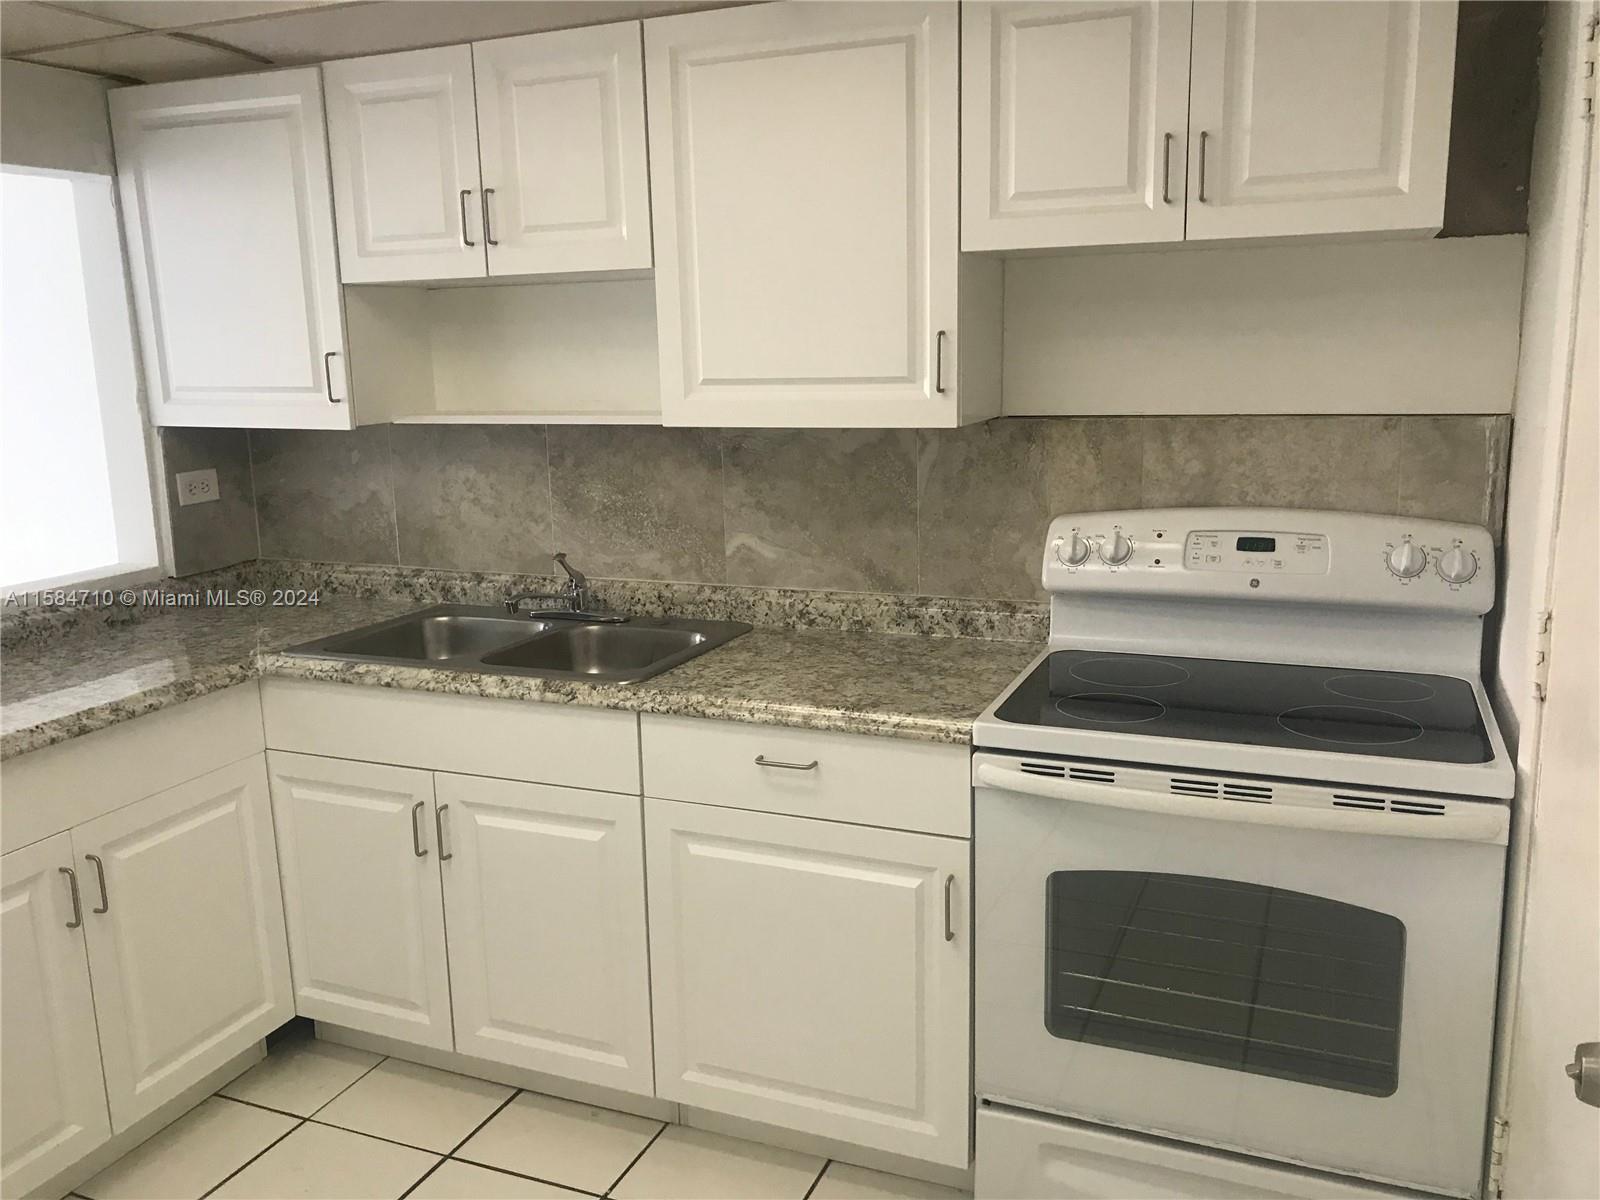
point(198, 487)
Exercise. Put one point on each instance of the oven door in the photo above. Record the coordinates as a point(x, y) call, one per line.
point(1308, 983)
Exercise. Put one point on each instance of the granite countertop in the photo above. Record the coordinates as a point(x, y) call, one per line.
point(897, 685)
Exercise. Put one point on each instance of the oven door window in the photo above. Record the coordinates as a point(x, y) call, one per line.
point(1231, 974)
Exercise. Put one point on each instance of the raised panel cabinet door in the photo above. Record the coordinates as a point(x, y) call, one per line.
point(803, 164)
point(403, 140)
point(1324, 117)
point(1074, 123)
point(561, 130)
point(229, 222)
point(544, 907)
point(813, 975)
point(186, 937)
point(52, 1097)
point(361, 895)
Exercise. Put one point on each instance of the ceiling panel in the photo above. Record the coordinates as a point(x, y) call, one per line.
point(177, 14)
point(25, 26)
point(149, 57)
point(385, 25)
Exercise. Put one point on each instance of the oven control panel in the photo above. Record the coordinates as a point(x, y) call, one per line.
point(1283, 554)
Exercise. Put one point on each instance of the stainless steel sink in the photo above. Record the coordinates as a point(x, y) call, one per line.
point(467, 638)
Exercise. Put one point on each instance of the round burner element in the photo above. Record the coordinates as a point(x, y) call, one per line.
point(1385, 689)
point(1110, 708)
point(1348, 725)
point(1125, 670)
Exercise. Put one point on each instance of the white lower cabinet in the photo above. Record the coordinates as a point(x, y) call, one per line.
point(185, 929)
point(53, 1109)
point(361, 895)
point(544, 903)
point(813, 975)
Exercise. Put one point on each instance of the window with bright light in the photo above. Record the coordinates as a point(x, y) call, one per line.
point(74, 478)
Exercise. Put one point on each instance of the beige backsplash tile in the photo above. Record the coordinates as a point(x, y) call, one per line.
point(473, 497)
point(821, 508)
point(1453, 468)
point(324, 494)
point(222, 532)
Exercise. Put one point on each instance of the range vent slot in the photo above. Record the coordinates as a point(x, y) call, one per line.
point(1421, 808)
point(1371, 803)
point(1194, 787)
point(1092, 775)
point(1048, 770)
point(1256, 793)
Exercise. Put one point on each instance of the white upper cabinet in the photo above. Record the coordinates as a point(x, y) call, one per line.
point(544, 907)
point(53, 1111)
point(1320, 117)
point(1074, 123)
point(229, 223)
point(1091, 122)
point(803, 162)
point(561, 132)
point(403, 139)
point(186, 939)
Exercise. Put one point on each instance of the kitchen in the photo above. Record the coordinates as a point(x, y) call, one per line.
point(679, 599)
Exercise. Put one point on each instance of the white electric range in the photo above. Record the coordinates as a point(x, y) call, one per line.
point(1239, 842)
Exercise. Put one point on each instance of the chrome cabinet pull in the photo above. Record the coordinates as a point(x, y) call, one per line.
point(949, 915)
point(763, 761)
point(938, 363)
point(1204, 136)
point(77, 901)
point(420, 850)
point(1166, 168)
point(327, 375)
point(438, 825)
point(488, 230)
point(465, 240)
point(100, 871)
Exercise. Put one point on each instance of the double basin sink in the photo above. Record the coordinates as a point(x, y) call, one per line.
point(463, 637)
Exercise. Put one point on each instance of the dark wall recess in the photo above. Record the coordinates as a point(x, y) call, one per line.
point(1492, 116)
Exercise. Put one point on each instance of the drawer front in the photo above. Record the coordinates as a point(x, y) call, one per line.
point(470, 735)
point(865, 780)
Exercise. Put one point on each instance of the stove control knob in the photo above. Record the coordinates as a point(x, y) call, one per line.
point(1072, 550)
point(1457, 565)
point(1116, 549)
point(1408, 560)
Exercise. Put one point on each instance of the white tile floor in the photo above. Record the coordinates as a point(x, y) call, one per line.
point(324, 1122)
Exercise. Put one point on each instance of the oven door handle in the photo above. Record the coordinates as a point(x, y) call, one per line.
point(1483, 823)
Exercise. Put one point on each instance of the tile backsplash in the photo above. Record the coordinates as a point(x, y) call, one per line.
point(932, 512)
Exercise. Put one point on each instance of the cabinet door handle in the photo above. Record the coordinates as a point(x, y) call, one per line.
point(100, 872)
point(938, 363)
point(77, 901)
point(438, 825)
point(949, 912)
point(488, 229)
point(1166, 168)
point(465, 240)
point(1204, 137)
point(327, 376)
point(763, 761)
point(417, 847)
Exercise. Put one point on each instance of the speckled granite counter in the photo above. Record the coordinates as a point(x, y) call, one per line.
point(928, 688)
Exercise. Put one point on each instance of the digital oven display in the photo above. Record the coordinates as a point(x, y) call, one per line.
point(1256, 545)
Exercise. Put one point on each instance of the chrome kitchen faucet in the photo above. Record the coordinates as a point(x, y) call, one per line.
point(576, 597)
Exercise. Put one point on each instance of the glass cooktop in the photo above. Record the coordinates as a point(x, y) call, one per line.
point(1433, 718)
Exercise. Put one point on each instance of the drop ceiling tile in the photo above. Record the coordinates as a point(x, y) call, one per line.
point(149, 57)
point(178, 14)
point(346, 31)
point(26, 26)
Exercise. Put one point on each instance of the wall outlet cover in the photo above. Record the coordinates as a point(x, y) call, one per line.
point(198, 487)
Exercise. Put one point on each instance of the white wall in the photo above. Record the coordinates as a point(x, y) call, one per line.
point(1427, 326)
point(54, 119)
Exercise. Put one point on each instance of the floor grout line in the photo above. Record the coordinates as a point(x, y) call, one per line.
point(299, 1123)
point(424, 1176)
point(826, 1163)
point(472, 1162)
point(473, 1132)
point(349, 1085)
point(653, 1137)
point(377, 1137)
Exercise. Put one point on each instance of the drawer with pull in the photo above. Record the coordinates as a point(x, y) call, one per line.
point(888, 782)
